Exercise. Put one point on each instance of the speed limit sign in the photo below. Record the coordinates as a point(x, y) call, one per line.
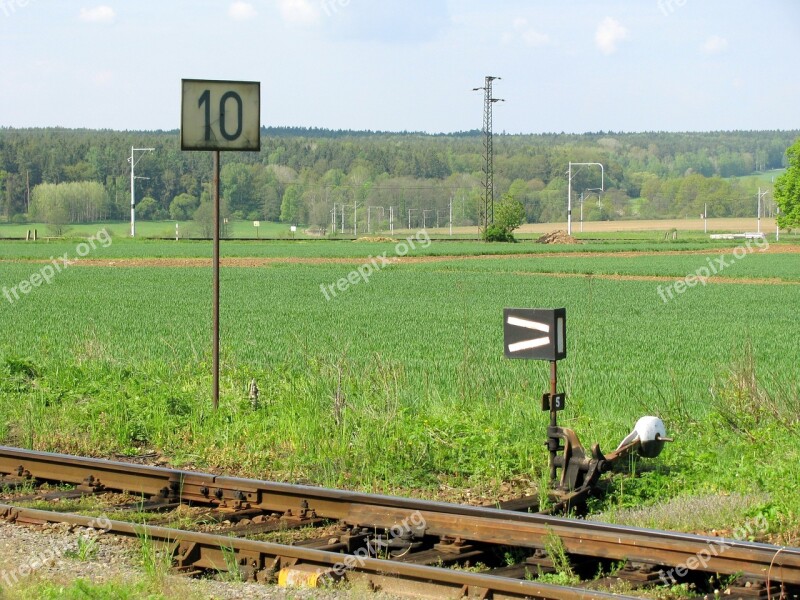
point(221, 115)
point(218, 116)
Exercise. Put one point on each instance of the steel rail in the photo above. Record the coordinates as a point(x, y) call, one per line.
point(264, 559)
point(469, 523)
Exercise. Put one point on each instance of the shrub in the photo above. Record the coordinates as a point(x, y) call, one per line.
point(497, 233)
point(509, 215)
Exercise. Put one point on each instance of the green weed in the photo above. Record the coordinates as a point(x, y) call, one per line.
point(87, 549)
point(564, 574)
point(233, 572)
point(81, 589)
point(155, 558)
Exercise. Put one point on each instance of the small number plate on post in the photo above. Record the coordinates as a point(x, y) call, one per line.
point(221, 115)
point(559, 402)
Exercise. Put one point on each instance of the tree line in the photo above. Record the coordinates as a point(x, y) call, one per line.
point(328, 178)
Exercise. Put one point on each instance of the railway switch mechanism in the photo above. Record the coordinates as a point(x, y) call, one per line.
point(541, 334)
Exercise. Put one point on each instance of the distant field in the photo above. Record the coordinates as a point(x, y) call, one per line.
point(322, 249)
point(714, 225)
point(245, 229)
point(766, 178)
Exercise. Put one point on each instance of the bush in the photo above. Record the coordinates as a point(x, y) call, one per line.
point(497, 233)
point(19, 219)
point(509, 214)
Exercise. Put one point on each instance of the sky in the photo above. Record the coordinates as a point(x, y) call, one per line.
point(408, 65)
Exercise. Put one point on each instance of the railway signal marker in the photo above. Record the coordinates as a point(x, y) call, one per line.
point(540, 334)
point(219, 116)
point(535, 333)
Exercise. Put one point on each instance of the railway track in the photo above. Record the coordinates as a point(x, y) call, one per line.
point(414, 547)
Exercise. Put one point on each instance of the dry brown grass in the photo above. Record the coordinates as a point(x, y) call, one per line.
point(713, 514)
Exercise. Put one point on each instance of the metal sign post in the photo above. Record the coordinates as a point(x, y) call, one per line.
point(215, 290)
point(217, 116)
point(540, 334)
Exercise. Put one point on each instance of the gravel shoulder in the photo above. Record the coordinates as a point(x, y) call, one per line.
point(33, 557)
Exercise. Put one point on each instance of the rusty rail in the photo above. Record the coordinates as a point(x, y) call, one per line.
point(262, 560)
point(447, 521)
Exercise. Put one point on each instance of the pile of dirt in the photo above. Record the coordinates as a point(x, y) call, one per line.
point(374, 239)
point(557, 237)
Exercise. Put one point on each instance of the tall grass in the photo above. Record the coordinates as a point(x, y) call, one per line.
point(399, 383)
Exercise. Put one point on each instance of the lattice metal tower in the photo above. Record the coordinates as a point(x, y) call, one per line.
point(488, 151)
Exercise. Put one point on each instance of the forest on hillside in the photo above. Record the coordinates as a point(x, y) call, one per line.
point(301, 175)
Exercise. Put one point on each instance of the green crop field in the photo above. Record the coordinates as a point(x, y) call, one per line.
point(755, 265)
point(124, 247)
point(399, 383)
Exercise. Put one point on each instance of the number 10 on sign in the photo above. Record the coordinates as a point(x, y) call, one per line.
point(220, 115)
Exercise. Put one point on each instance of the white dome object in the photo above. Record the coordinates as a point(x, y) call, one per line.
point(650, 431)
